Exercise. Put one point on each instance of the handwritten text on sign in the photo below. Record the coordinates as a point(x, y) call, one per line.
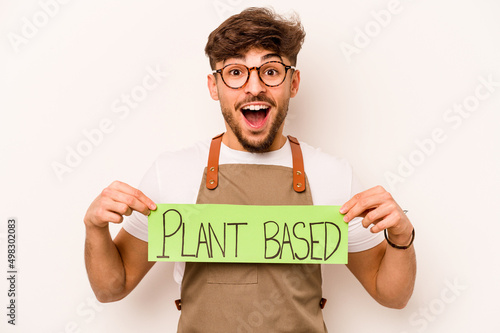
point(258, 234)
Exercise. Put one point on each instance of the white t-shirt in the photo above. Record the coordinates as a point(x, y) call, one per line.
point(175, 177)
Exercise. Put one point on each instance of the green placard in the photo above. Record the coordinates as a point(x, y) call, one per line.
point(251, 234)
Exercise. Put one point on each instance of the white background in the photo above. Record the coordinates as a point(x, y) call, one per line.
point(69, 73)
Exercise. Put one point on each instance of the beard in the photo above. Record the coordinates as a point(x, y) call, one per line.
point(256, 146)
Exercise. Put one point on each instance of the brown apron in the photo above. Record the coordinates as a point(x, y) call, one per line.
point(227, 297)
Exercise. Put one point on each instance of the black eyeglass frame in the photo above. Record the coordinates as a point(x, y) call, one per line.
point(257, 68)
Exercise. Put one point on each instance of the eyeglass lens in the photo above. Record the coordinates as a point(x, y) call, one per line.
point(271, 73)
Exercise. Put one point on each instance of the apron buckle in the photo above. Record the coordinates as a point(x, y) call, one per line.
point(178, 304)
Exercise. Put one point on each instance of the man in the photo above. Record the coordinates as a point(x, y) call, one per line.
point(253, 55)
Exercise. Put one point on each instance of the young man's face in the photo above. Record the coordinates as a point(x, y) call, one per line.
point(254, 114)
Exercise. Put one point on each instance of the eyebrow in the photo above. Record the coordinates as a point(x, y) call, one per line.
point(271, 55)
point(263, 58)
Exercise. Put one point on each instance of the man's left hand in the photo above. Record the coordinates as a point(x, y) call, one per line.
point(378, 208)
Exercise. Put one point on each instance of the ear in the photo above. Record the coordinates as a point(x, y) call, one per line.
point(212, 87)
point(294, 87)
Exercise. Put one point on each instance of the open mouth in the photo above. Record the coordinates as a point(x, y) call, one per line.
point(255, 114)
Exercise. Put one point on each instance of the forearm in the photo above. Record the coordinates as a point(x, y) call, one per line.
point(104, 265)
point(387, 272)
point(396, 277)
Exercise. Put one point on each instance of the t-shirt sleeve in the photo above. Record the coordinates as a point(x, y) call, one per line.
point(359, 237)
point(137, 223)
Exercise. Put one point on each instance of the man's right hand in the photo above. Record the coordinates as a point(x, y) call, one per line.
point(114, 202)
point(115, 267)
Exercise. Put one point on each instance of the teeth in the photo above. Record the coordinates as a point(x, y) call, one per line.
point(255, 107)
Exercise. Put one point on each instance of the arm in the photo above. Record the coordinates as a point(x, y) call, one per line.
point(388, 274)
point(115, 267)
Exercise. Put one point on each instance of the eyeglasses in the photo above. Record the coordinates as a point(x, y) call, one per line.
point(271, 73)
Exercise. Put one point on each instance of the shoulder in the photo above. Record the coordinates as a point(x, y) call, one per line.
point(192, 153)
point(176, 174)
point(320, 161)
point(330, 177)
point(182, 161)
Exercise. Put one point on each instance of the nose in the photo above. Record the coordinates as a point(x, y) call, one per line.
point(254, 85)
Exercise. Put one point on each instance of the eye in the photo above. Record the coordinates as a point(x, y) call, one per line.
point(235, 72)
point(271, 72)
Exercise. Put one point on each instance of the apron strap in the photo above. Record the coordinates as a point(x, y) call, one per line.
point(213, 163)
point(299, 180)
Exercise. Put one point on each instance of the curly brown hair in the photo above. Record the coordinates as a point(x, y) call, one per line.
point(255, 28)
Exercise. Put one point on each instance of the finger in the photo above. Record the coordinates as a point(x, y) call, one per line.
point(356, 198)
point(124, 203)
point(125, 198)
point(102, 213)
point(136, 193)
point(121, 208)
point(389, 221)
point(365, 204)
point(374, 216)
point(112, 217)
point(349, 204)
point(110, 210)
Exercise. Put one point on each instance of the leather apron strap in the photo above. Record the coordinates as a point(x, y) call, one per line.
point(213, 163)
point(299, 180)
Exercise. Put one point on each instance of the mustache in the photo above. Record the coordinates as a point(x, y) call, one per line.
point(262, 98)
